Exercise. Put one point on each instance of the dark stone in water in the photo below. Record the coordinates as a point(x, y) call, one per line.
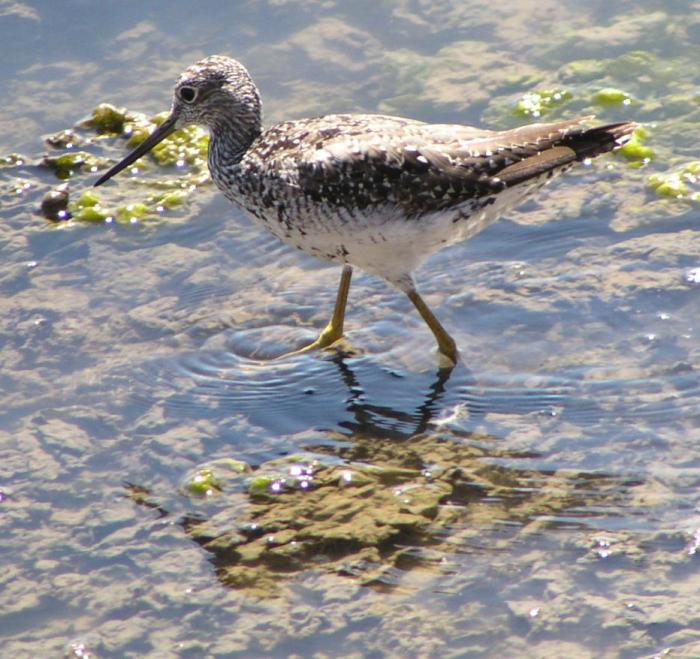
point(54, 205)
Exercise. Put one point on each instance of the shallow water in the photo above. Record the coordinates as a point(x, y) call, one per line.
point(563, 452)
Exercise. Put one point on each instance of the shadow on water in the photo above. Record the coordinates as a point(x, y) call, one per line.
point(387, 489)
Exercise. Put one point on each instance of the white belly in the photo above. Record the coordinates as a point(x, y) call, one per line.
point(381, 240)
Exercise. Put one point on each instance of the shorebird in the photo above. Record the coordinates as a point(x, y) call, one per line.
point(381, 193)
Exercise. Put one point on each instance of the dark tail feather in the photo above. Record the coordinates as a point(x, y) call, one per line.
point(575, 144)
point(592, 142)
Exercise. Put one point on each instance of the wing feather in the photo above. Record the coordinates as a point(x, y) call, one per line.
point(367, 160)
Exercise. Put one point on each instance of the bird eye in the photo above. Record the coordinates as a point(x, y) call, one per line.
point(188, 94)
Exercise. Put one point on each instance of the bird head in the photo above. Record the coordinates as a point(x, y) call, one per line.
point(216, 92)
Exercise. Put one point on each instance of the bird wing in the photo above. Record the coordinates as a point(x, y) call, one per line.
point(370, 160)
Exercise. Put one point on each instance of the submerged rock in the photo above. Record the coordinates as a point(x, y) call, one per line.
point(54, 205)
point(405, 505)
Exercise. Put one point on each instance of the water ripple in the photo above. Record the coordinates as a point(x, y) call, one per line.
point(656, 399)
point(360, 394)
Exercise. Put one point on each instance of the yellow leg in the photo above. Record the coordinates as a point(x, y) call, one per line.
point(334, 330)
point(446, 344)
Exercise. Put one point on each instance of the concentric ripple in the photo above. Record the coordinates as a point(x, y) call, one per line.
point(279, 395)
point(359, 394)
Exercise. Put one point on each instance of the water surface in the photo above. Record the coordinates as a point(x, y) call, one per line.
point(133, 355)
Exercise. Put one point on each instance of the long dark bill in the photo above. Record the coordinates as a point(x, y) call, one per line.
point(158, 135)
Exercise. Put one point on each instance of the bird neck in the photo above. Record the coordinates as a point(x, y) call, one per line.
point(232, 135)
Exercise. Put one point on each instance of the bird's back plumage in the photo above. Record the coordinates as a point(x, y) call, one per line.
point(336, 186)
point(364, 160)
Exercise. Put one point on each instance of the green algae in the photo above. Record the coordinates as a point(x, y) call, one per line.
point(88, 199)
point(295, 474)
point(635, 150)
point(538, 103)
point(260, 485)
point(203, 483)
point(185, 151)
point(612, 96)
point(133, 212)
point(170, 199)
point(212, 478)
point(637, 85)
point(232, 465)
point(69, 164)
point(87, 208)
point(185, 146)
point(90, 214)
point(107, 119)
point(680, 183)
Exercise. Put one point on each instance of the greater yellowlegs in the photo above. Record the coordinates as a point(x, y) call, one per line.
point(378, 192)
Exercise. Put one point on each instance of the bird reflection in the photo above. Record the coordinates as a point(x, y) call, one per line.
point(382, 420)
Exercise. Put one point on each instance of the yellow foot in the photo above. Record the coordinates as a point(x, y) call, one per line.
point(326, 339)
point(448, 355)
point(447, 348)
point(333, 332)
point(447, 361)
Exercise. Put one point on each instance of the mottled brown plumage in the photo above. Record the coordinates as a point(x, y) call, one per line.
point(379, 192)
